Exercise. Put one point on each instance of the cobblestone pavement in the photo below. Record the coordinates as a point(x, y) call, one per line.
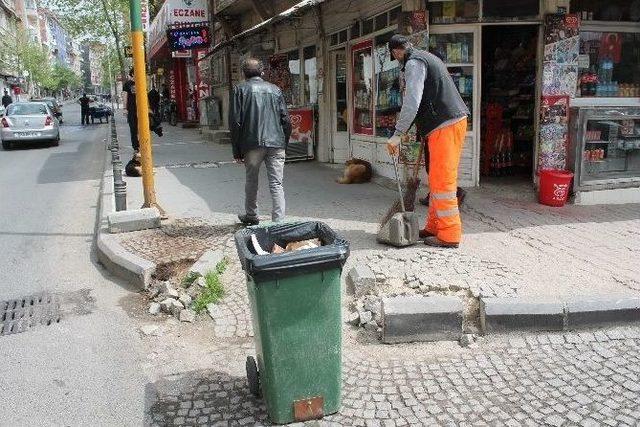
point(586, 378)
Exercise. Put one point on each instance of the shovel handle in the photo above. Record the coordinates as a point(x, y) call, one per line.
point(395, 168)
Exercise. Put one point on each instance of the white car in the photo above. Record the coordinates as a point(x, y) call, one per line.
point(28, 122)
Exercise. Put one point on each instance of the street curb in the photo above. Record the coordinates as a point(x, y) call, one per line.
point(532, 314)
point(111, 254)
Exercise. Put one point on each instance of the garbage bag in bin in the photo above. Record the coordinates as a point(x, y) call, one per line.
point(295, 300)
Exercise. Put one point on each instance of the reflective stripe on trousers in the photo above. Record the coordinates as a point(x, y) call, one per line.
point(445, 148)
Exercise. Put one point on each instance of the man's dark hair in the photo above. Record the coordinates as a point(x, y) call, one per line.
point(398, 41)
point(252, 67)
point(84, 94)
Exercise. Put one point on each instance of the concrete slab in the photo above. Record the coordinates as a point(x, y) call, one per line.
point(510, 314)
point(418, 318)
point(602, 310)
point(133, 220)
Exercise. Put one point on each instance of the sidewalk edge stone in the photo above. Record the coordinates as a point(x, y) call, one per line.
point(113, 256)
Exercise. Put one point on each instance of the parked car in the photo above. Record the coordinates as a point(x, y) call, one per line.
point(54, 106)
point(28, 122)
point(99, 110)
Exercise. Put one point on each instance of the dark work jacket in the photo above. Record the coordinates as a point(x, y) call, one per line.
point(441, 100)
point(258, 117)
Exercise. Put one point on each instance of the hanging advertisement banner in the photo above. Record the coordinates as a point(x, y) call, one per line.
point(144, 15)
point(175, 12)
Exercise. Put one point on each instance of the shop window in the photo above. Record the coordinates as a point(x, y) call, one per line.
point(497, 10)
point(610, 10)
point(610, 64)
point(388, 93)
point(310, 75)
point(456, 51)
point(611, 149)
point(452, 11)
point(284, 72)
point(338, 38)
point(334, 39)
point(362, 88)
point(293, 94)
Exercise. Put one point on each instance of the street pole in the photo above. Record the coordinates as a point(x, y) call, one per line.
point(142, 104)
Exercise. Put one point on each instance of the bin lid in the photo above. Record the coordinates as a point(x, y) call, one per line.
point(332, 254)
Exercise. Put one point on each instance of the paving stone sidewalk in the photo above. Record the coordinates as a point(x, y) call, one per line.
point(512, 246)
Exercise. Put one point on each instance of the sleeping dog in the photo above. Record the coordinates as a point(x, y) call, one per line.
point(357, 171)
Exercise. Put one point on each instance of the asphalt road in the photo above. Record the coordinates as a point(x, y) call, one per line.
point(86, 369)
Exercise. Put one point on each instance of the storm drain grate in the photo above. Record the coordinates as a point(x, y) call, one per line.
point(20, 315)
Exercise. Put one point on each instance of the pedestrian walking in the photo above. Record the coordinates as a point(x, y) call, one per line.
point(432, 101)
point(84, 109)
point(260, 130)
point(129, 89)
point(6, 99)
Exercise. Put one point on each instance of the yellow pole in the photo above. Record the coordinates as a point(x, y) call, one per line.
point(142, 106)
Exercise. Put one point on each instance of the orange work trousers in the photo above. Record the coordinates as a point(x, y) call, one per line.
point(445, 148)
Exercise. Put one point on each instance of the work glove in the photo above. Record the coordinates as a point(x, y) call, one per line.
point(393, 145)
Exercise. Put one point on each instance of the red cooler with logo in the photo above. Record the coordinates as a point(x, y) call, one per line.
point(554, 187)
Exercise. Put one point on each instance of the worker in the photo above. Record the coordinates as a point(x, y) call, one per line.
point(431, 101)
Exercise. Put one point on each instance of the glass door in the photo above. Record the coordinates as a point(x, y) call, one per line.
point(340, 151)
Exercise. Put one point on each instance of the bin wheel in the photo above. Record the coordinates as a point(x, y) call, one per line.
point(253, 377)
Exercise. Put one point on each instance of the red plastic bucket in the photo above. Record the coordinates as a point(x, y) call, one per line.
point(554, 187)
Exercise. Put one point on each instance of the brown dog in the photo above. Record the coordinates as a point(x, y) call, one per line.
point(357, 171)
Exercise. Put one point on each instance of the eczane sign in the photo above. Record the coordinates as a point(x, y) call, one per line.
point(175, 12)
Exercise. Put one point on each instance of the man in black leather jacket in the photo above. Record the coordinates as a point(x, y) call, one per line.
point(260, 130)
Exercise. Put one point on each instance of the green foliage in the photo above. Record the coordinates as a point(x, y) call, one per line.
point(189, 279)
point(20, 54)
point(214, 291)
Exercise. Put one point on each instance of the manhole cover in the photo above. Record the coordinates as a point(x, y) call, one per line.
point(19, 315)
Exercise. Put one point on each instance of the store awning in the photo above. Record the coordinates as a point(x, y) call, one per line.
point(293, 11)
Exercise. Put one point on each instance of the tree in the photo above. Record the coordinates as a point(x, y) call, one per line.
point(21, 55)
point(91, 21)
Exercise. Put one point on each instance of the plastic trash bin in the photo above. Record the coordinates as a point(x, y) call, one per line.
point(296, 311)
point(554, 187)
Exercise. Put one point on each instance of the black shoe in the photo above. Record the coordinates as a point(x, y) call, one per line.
point(248, 220)
point(424, 201)
point(423, 234)
point(437, 243)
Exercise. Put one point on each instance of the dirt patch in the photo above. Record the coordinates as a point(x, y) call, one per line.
point(172, 271)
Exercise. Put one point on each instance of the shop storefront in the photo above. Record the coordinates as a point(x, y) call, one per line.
point(605, 112)
point(514, 70)
point(179, 68)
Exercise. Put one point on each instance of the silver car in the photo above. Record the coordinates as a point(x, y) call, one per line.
point(28, 122)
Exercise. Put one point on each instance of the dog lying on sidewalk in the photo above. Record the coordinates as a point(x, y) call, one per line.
point(356, 171)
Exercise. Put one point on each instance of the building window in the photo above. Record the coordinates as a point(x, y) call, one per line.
point(367, 26)
point(310, 75)
point(293, 95)
point(453, 11)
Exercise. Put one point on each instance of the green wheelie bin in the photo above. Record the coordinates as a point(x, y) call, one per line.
point(295, 302)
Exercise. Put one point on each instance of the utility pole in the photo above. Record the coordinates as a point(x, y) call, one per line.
point(142, 104)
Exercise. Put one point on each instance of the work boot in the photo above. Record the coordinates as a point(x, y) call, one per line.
point(437, 243)
point(248, 220)
point(424, 233)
